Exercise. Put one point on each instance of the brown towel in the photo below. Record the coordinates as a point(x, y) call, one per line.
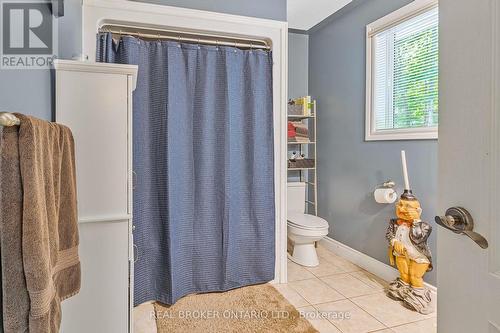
point(14, 293)
point(49, 222)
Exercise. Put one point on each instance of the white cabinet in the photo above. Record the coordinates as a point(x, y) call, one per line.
point(95, 101)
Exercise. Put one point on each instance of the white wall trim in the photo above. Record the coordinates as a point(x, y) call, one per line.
point(99, 12)
point(364, 261)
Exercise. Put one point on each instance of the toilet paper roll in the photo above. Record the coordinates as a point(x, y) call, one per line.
point(385, 195)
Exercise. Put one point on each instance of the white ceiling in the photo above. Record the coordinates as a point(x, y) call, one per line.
point(305, 14)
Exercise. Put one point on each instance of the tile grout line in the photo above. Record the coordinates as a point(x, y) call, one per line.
point(411, 322)
point(323, 282)
point(338, 267)
point(349, 273)
point(390, 327)
point(374, 291)
point(369, 314)
point(402, 324)
point(371, 274)
point(347, 297)
point(327, 318)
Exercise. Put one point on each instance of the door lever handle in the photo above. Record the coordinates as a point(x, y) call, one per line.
point(460, 221)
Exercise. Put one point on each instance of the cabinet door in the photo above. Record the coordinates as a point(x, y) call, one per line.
point(96, 107)
point(102, 304)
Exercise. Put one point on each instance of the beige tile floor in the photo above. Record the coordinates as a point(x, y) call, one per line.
point(339, 297)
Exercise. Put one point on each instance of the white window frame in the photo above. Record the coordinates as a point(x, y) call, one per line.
point(371, 134)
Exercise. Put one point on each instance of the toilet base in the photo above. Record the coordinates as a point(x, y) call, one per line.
point(304, 254)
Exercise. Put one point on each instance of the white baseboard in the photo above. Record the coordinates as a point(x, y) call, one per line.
point(364, 261)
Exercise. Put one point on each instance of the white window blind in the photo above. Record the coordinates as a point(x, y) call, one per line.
point(404, 75)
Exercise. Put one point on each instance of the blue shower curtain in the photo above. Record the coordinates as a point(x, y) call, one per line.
point(204, 210)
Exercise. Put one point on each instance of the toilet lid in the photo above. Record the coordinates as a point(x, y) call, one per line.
point(306, 221)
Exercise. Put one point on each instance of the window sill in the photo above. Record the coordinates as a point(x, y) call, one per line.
point(393, 135)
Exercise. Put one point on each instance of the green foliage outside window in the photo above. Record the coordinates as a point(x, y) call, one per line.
point(415, 87)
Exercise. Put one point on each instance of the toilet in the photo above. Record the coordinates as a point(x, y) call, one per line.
point(303, 229)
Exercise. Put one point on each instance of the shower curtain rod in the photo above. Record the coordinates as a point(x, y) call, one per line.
point(152, 33)
point(8, 119)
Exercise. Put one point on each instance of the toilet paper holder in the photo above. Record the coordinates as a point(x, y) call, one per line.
point(389, 184)
point(385, 193)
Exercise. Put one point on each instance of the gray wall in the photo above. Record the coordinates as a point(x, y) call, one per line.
point(349, 168)
point(298, 79)
point(298, 65)
point(30, 91)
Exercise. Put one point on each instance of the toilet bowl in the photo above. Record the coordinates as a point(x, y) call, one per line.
point(304, 230)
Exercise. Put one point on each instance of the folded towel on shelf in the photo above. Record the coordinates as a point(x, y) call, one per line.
point(301, 129)
point(48, 221)
point(299, 139)
point(291, 130)
point(299, 124)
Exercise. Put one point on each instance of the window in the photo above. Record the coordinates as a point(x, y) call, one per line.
point(402, 74)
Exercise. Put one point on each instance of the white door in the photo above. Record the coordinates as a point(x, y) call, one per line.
point(469, 162)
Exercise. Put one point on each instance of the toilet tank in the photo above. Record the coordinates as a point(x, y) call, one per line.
point(296, 197)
